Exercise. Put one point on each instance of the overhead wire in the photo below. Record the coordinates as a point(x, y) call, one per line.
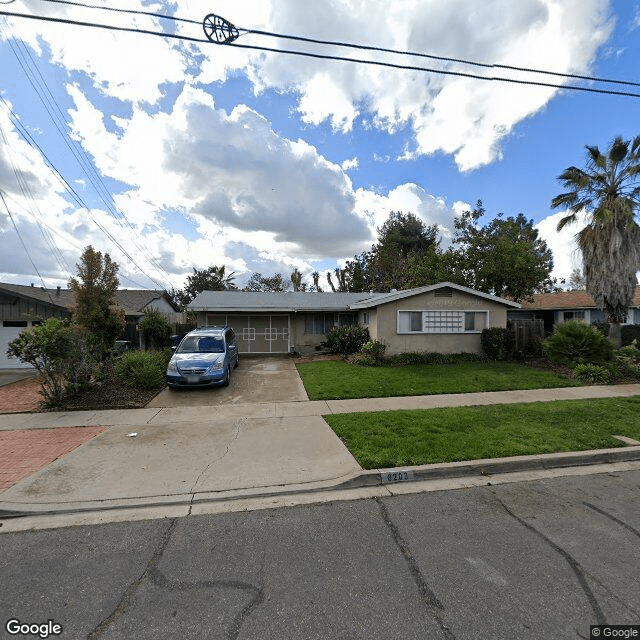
point(351, 45)
point(50, 104)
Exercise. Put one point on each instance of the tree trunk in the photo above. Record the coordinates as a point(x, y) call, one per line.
point(615, 334)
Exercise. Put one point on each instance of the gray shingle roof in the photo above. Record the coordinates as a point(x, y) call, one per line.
point(282, 301)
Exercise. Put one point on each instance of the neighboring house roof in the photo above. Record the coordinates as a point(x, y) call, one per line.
point(133, 301)
point(568, 300)
point(287, 301)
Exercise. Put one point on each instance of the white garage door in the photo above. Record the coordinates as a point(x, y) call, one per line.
point(7, 334)
point(256, 334)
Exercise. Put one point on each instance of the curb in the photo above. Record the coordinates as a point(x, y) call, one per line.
point(366, 479)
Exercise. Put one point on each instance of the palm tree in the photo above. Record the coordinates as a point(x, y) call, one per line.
point(609, 189)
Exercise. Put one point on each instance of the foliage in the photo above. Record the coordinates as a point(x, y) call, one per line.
point(155, 329)
point(94, 293)
point(258, 282)
point(416, 357)
point(498, 343)
point(593, 373)
point(609, 188)
point(629, 333)
point(63, 354)
point(347, 340)
point(371, 354)
point(212, 279)
point(143, 369)
point(574, 343)
point(628, 360)
point(505, 257)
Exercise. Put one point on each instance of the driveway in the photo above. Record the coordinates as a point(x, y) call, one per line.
point(257, 379)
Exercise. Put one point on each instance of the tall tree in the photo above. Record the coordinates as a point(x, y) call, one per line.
point(609, 189)
point(212, 279)
point(258, 282)
point(94, 299)
point(505, 257)
point(296, 280)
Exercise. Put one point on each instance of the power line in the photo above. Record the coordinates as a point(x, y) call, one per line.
point(378, 63)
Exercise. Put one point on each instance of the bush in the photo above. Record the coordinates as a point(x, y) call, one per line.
point(155, 329)
point(143, 369)
point(371, 354)
point(629, 333)
point(347, 340)
point(498, 343)
point(414, 357)
point(594, 373)
point(63, 353)
point(574, 343)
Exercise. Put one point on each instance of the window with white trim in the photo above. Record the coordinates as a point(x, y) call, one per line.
point(442, 321)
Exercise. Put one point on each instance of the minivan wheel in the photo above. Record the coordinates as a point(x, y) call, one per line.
point(227, 378)
point(235, 366)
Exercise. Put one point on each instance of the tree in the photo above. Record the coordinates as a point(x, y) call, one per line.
point(95, 306)
point(577, 281)
point(609, 189)
point(505, 257)
point(212, 279)
point(258, 282)
point(296, 280)
point(155, 329)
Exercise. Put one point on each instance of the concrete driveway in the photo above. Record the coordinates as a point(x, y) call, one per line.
point(257, 379)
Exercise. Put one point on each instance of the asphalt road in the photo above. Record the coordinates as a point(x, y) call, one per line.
point(541, 560)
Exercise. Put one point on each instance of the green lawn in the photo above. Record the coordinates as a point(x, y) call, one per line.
point(402, 438)
point(332, 380)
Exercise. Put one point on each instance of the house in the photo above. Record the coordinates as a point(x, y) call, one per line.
point(556, 308)
point(444, 317)
point(23, 306)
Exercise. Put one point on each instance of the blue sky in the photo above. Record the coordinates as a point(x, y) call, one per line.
point(188, 155)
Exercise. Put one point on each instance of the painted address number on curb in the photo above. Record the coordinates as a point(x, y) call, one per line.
point(396, 476)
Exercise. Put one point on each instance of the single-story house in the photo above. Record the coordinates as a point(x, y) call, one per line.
point(23, 306)
point(444, 317)
point(556, 308)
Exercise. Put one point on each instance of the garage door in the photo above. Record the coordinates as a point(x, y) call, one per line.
point(257, 334)
point(7, 334)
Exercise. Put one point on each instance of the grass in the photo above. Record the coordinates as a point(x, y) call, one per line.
point(402, 438)
point(334, 380)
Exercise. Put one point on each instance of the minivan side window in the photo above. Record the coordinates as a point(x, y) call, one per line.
point(231, 337)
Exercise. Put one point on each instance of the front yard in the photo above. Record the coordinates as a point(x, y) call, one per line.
point(337, 380)
point(403, 438)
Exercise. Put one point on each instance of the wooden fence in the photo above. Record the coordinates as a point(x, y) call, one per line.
point(525, 331)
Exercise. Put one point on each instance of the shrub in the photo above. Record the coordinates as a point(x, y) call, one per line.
point(155, 329)
point(498, 343)
point(629, 333)
point(371, 354)
point(594, 373)
point(143, 369)
point(347, 340)
point(574, 343)
point(64, 355)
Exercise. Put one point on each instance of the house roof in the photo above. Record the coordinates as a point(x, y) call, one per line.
point(568, 300)
point(383, 298)
point(285, 301)
point(133, 301)
point(288, 301)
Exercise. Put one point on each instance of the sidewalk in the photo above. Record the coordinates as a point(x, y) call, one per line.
point(194, 459)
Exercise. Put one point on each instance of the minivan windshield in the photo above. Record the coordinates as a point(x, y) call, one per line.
point(201, 344)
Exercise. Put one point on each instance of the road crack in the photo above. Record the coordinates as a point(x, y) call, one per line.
point(428, 597)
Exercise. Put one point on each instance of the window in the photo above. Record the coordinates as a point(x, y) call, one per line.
point(573, 315)
point(441, 321)
point(14, 323)
point(365, 317)
point(319, 323)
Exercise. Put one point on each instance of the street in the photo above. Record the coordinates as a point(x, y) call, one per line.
point(541, 559)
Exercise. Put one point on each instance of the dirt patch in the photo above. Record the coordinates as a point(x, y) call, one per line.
point(109, 395)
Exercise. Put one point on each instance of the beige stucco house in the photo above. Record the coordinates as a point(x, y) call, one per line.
point(442, 318)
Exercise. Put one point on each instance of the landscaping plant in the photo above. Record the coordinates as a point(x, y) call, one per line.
point(498, 343)
point(574, 343)
point(143, 369)
point(63, 353)
point(347, 340)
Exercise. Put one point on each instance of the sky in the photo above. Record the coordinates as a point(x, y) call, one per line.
point(175, 153)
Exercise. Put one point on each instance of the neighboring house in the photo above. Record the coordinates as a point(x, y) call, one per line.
point(24, 306)
point(556, 308)
point(444, 317)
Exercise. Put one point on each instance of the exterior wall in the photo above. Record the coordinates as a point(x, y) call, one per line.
point(386, 323)
point(26, 310)
point(166, 309)
point(372, 325)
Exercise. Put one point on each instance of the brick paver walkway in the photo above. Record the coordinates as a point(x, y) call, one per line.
point(25, 451)
point(20, 396)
